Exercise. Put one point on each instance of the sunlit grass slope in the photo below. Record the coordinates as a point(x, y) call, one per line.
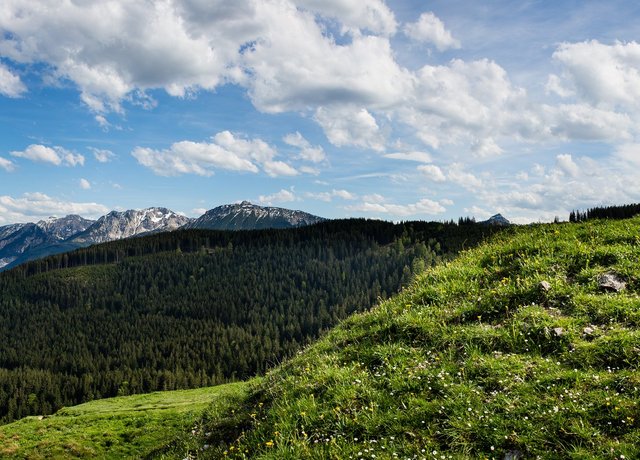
point(122, 427)
point(476, 359)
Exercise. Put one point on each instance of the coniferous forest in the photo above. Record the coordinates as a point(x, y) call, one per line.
point(195, 307)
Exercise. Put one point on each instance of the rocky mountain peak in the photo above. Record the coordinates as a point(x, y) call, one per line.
point(124, 224)
point(496, 219)
point(249, 216)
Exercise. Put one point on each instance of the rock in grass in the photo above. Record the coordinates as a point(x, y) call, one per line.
point(611, 282)
point(558, 331)
point(544, 286)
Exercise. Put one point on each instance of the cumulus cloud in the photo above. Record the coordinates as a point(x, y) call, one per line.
point(372, 15)
point(226, 151)
point(10, 84)
point(432, 172)
point(103, 155)
point(283, 196)
point(350, 126)
point(584, 122)
point(567, 165)
point(462, 102)
point(84, 184)
point(7, 165)
point(607, 76)
point(32, 207)
point(378, 204)
point(431, 30)
point(54, 155)
point(313, 154)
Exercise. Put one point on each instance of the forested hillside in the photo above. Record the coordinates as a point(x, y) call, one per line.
point(194, 308)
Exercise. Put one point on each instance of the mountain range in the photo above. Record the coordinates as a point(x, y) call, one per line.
point(27, 241)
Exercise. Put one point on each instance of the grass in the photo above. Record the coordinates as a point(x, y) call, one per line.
point(474, 360)
point(122, 427)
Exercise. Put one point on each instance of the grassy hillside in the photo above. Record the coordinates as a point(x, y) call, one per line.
point(475, 360)
point(122, 427)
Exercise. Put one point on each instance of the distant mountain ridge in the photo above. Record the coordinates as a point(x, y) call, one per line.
point(17, 241)
point(27, 241)
point(248, 216)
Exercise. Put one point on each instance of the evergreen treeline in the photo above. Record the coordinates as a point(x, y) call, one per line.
point(605, 212)
point(194, 308)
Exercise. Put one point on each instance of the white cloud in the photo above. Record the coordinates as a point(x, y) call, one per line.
point(85, 184)
point(329, 196)
point(486, 147)
point(462, 102)
point(225, 151)
point(297, 66)
point(374, 198)
point(296, 140)
point(430, 29)
point(432, 172)
point(32, 207)
point(10, 84)
point(309, 170)
point(283, 196)
point(459, 176)
point(187, 157)
point(7, 165)
point(350, 126)
point(70, 158)
point(607, 76)
point(583, 122)
point(372, 15)
point(420, 157)
point(555, 85)
point(102, 121)
point(197, 212)
point(54, 155)
point(279, 168)
point(379, 205)
point(344, 194)
point(307, 151)
point(567, 165)
point(102, 155)
point(40, 153)
point(628, 154)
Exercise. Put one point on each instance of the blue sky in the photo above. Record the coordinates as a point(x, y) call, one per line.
point(388, 109)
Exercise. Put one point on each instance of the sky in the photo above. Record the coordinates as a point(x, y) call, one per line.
point(396, 109)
